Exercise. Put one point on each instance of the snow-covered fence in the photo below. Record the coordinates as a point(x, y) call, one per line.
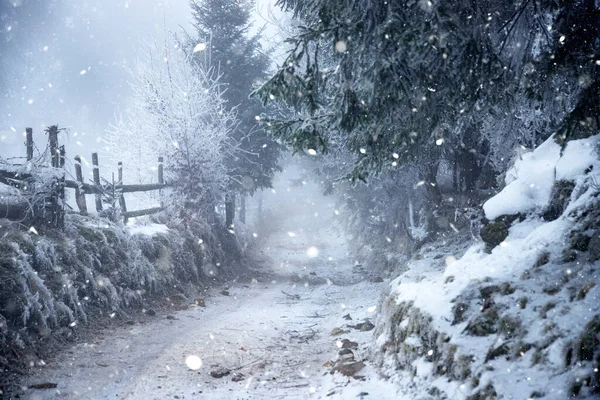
point(26, 181)
point(34, 191)
point(112, 189)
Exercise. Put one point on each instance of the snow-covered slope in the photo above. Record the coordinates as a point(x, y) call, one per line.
point(521, 322)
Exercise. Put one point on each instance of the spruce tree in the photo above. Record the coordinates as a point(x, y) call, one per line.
point(236, 54)
point(416, 81)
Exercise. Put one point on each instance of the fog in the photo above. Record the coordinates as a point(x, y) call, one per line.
point(64, 62)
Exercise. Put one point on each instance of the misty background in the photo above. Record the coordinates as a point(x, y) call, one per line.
point(65, 62)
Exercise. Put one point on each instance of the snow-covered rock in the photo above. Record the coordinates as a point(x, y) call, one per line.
point(529, 182)
point(521, 322)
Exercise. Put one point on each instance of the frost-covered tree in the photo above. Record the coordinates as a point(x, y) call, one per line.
point(417, 78)
point(223, 28)
point(177, 112)
point(453, 87)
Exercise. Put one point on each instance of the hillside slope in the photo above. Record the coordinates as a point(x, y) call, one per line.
point(518, 316)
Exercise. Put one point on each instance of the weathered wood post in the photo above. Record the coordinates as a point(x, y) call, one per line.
point(29, 143)
point(60, 218)
point(161, 179)
point(62, 152)
point(120, 173)
point(96, 174)
point(122, 203)
point(229, 210)
point(53, 143)
point(243, 208)
point(79, 195)
point(57, 196)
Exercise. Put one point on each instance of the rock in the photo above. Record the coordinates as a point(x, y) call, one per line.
point(484, 324)
point(347, 344)
point(171, 317)
point(493, 234)
point(580, 242)
point(200, 302)
point(377, 279)
point(594, 248)
point(344, 352)
point(364, 326)
point(130, 322)
point(347, 317)
point(225, 292)
point(559, 199)
point(328, 364)
point(459, 310)
point(348, 369)
point(150, 313)
point(219, 372)
point(345, 356)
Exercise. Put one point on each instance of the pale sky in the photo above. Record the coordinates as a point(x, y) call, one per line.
point(66, 65)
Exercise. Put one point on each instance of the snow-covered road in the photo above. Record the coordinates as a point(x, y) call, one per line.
point(273, 337)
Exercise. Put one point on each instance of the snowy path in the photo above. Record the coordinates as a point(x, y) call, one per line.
point(274, 337)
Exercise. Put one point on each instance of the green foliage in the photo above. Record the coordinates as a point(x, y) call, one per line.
point(421, 79)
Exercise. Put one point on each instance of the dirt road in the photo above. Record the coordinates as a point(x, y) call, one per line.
point(270, 339)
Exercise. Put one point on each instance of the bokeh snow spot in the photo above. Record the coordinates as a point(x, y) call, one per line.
point(193, 362)
point(312, 252)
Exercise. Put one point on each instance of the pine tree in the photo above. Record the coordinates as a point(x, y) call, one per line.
point(224, 27)
point(417, 79)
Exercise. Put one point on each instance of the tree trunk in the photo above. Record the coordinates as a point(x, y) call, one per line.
point(243, 208)
point(229, 210)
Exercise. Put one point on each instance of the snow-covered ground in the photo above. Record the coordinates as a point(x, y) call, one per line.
point(273, 334)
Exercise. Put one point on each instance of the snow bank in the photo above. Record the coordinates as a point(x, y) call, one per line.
point(465, 324)
point(529, 182)
point(54, 281)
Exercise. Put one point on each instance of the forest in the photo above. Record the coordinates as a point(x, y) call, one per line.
point(300, 199)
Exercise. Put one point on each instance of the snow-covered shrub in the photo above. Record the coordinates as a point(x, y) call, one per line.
point(51, 283)
point(177, 112)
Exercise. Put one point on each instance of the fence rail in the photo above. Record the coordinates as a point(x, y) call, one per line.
point(53, 207)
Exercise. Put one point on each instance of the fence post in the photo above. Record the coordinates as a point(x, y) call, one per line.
point(62, 153)
point(79, 195)
point(122, 203)
point(53, 142)
point(120, 173)
point(29, 143)
point(97, 181)
point(161, 178)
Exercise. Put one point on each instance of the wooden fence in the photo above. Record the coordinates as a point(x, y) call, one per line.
point(52, 209)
